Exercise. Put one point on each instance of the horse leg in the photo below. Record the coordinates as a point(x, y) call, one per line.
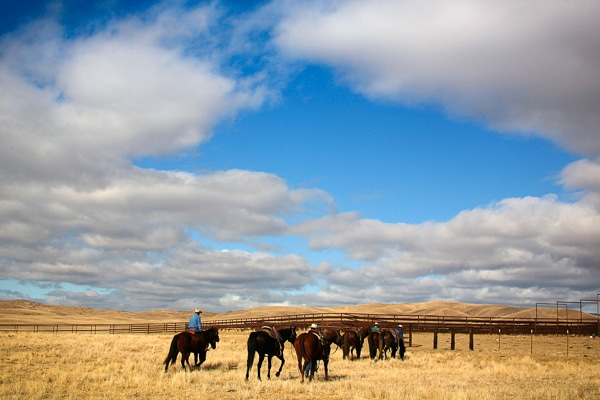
point(261, 357)
point(202, 357)
point(325, 363)
point(313, 365)
point(281, 366)
point(347, 355)
point(269, 366)
point(301, 369)
point(185, 359)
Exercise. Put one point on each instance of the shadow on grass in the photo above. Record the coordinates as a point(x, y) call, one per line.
point(213, 366)
point(317, 378)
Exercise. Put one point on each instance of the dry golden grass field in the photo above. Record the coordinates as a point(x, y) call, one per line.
point(104, 366)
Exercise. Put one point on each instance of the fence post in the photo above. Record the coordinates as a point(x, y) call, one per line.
point(498, 339)
point(452, 340)
point(435, 338)
point(471, 341)
point(410, 335)
point(531, 345)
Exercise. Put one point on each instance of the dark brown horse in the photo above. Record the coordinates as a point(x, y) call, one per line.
point(388, 340)
point(373, 340)
point(353, 340)
point(313, 346)
point(334, 337)
point(187, 343)
point(263, 343)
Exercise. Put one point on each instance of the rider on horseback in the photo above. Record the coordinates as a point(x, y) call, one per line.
point(375, 327)
point(314, 329)
point(195, 326)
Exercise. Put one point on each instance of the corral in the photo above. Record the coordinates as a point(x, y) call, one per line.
point(419, 323)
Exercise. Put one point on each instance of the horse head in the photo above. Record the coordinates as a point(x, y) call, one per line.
point(364, 332)
point(213, 337)
point(288, 334)
point(334, 336)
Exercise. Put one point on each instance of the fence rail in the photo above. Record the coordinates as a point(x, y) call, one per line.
point(168, 327)
point(426, 323)
point(416, 323)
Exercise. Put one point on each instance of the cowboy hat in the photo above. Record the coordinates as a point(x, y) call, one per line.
point(197, 311)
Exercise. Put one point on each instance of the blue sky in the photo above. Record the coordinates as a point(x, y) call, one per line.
point(173, 155)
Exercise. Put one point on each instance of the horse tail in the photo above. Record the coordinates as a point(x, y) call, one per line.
point(251, 351)
point(382, 336)
point(173, 351)
point(346, 346)
point(303, 349)
point(371, 342)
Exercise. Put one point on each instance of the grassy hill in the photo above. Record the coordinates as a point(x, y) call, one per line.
point(28, 312)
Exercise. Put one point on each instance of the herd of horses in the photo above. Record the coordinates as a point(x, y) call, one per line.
point(311, 347)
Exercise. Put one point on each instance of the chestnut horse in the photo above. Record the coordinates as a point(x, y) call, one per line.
point(312, 346)
point(353, 340)
point(187, 343)
point(263, 343)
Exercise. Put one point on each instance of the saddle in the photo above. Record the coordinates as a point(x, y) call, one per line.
point(396, 336)
point(272, 332)
point(357, 332)
point(320, 335)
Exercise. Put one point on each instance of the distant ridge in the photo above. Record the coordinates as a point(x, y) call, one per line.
point(29, 312)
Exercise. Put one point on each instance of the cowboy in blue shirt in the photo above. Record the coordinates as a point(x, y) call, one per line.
point(401, 345)
point(195, 325)
point(195, 321)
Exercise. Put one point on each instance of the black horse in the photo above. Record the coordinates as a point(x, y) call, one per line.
point(264, 343)
point(388, 340)
point(373, 340)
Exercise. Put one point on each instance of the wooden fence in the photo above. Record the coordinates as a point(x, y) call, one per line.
point(425, 323)
point(167, 327)
point(411, 323)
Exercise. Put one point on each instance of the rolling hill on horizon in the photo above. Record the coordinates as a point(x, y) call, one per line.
point(29, 312)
